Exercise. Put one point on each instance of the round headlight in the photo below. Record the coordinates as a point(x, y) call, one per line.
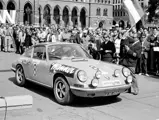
point(82, 76)
point(98, 74)
point(117, 73)
point(129, 79)
point(95, 82)
point(126, 72)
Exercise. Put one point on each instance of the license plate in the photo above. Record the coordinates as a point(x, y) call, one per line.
point(111, 93)
point(111, 83)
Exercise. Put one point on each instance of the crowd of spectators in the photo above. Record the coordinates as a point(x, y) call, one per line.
point(112, 45)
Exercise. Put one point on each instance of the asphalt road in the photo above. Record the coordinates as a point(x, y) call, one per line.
point(144, 106)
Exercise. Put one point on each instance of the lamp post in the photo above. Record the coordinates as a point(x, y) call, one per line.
point(19, 13)
point(89, 13)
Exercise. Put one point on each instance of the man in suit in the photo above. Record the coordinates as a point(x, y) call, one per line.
point(133, 52)
point(144, 54)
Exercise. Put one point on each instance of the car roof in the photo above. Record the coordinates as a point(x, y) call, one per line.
point(54, 43)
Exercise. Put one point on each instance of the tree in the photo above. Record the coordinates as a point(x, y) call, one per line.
point(153, 4)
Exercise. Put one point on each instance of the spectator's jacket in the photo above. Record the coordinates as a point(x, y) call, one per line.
point(129, 60)
point(108, 49)
point(77, 39)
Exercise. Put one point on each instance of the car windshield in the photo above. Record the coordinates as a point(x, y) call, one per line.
point(66, 51)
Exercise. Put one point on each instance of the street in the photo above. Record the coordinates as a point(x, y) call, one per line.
point(144, 106)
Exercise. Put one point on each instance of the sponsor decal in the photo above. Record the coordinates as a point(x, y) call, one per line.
point(66, 70)
point(95, 68)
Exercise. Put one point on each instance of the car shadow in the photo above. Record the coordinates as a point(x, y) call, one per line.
point(92, 102)
point(78, 101)
point(9, 70)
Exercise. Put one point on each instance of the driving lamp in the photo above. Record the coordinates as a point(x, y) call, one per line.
point(95, 82)
point(82, 76)
point(129, 79)
point(116, 73)
point(98, 74)
point(126, 72)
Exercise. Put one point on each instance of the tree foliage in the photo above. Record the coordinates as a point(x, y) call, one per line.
point(153, 4)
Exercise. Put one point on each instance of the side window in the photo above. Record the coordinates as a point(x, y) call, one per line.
point(39, 53)
point(28, 53)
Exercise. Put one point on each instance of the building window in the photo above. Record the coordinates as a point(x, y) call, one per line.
point(105, 12)
point(98, 12)
point(123, 13)
point(115, 13)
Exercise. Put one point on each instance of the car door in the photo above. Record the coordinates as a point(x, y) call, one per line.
point(40, 65)
point(26, 62)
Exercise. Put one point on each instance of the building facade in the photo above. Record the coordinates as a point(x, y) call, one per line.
point(120, 14)
point(83, 13)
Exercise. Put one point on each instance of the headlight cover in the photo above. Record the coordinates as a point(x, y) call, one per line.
point(126, 72)
point(117, 73)
point(98, 74)
point(129, 79)
point(95, 82)
point(82, 76)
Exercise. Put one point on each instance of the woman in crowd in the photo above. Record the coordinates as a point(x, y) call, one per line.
point(107, 49)
point(28, 41)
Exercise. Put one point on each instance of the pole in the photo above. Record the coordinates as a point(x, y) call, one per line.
point(34, 11)
point(19, 13)
point(89, 13)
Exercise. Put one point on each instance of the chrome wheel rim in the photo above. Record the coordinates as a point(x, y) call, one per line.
point(60, 90)
point(20, 75)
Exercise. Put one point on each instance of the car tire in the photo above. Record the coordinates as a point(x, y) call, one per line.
point(62, 92)
point(20, 76)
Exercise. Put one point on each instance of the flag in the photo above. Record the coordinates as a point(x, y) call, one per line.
point(135, 11)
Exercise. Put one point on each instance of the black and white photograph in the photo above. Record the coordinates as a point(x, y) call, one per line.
point(79, 59)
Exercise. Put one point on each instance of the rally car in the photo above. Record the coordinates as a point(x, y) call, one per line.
point(70, 71)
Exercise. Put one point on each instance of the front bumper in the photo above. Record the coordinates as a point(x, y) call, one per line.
point(99, 92)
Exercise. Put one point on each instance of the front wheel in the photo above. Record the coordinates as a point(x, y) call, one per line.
point(20, 77)
point(62, 92)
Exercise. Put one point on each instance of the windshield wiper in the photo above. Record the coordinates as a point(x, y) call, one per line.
point(78, 59)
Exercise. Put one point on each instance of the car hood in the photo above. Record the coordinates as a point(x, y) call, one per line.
point(91, 65)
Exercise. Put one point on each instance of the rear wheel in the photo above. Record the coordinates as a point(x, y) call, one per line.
point(20, 77)
point(62, 92)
